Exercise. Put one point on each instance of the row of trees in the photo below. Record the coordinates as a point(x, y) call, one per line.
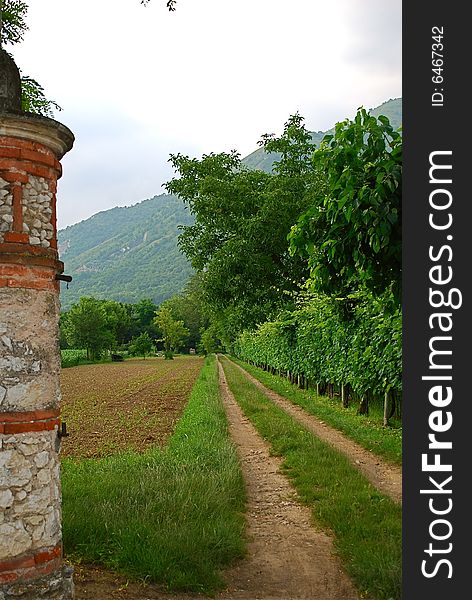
point(300, 269)
point(107, 325)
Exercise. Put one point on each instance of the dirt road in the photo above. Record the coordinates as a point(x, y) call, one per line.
point(386, 477)
point(288, 557)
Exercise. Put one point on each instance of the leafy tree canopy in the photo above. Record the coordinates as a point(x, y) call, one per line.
point(351, 232)
point(85, 326)
point(172, 331)
point(141, 345)
point(12, 21)
point(242, 218)
point(188, 307)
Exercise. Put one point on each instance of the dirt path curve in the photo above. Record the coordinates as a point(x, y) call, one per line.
point(288, 559)
point(386, 477)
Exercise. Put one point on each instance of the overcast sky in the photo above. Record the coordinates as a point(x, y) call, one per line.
point(138, 83)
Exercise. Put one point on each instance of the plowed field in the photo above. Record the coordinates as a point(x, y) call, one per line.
point(132, 405)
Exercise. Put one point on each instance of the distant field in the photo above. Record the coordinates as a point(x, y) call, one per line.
point(113, 407)
point(171, 514)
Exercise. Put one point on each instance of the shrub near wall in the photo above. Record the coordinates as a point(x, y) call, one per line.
point(353, 342)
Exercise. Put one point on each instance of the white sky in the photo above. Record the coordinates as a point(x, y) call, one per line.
point(138, 83)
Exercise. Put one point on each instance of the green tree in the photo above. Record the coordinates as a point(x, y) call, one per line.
point(188, 307)
point(141, 345)
point(118, 321)
point(242, 218)
point(143, 313)
point(351, 233)
point(173, 333)
point(85, 326)
point(210, 340)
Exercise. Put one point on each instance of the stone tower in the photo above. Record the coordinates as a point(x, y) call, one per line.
point(30, 495)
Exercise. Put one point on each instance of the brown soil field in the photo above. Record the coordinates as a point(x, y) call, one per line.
point(113, 407)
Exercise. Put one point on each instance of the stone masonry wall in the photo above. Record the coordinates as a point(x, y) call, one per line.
point(30, 496)
point(29, 350)
point(30, 518)
point(37, 208)
point(6, 210)
point(31, 565)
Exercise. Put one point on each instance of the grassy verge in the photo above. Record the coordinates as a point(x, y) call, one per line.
point(173, 516)
point(368, 432)
point(366, 525)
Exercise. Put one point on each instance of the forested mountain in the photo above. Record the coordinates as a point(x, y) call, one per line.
point(126, 253)
point(130, 253)
point(264, 161)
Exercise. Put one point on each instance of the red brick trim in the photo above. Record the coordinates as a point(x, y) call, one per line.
point(26, 422)
point(14, 176)
point(17, 253)
point(12, 428)
point(46, 556)
point(28, 277)
point(28, 416)
point(31, 565)
point(40, 157)
point(23, 166)
point(16, 237)
point(15, 142)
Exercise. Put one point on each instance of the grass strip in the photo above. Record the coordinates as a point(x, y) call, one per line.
point(366, 525)
point(368, 432)
point(173, 516)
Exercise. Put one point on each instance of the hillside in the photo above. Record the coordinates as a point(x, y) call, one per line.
point(126, 253)
point(130, 253)
point(264, 161)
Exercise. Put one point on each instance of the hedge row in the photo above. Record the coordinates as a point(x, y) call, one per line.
point(353, 343)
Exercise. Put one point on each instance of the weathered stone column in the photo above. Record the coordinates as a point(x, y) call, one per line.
point(30, 497)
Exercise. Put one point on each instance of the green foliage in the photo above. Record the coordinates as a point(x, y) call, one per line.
point(85, 326)
point(320, 343)
point(188, 307)
point(71, 357)
point(33, 99)
point(264, 160)
point(173, 332)
point(210, 340)
point(242, 218)
point(12, 21)
point(141, 345)
point(118, 321)
point(351, 233)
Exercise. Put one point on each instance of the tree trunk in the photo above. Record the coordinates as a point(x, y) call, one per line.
point(345, 395)
point(389, 407)
point(364, 406)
